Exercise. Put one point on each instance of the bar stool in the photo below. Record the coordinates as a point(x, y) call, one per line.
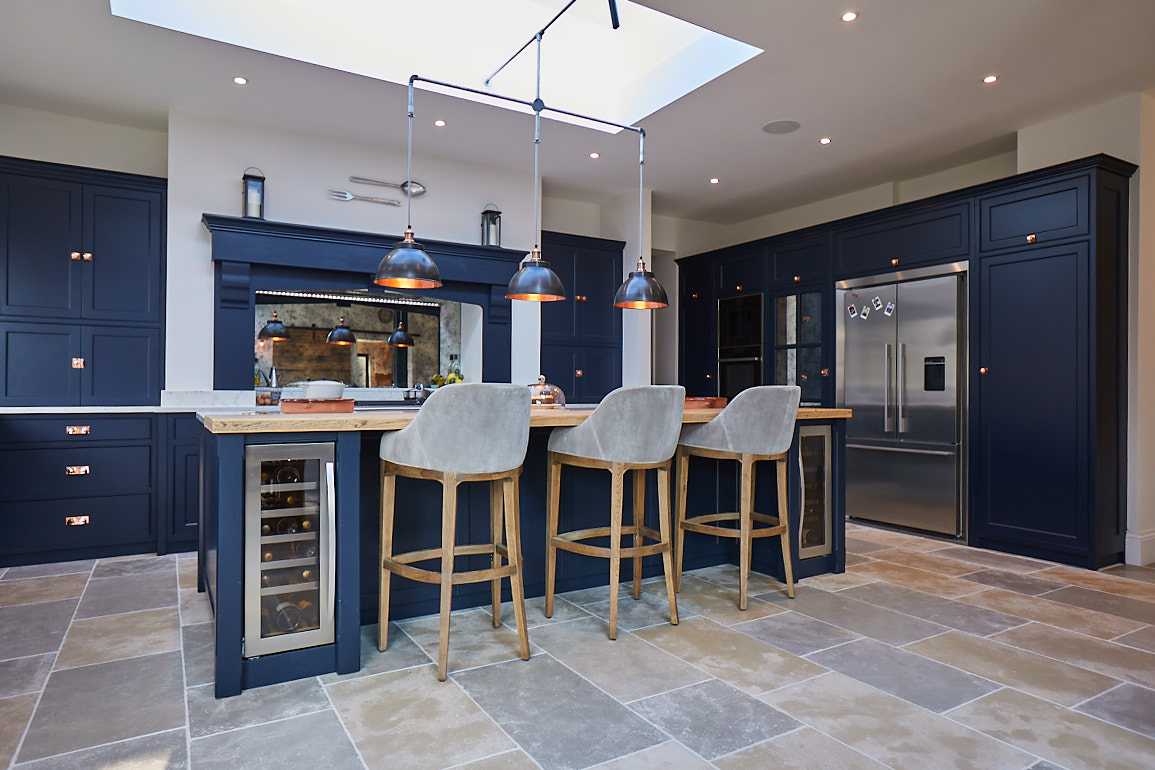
point(466, 432)
point(632, 429)
point(757, 425)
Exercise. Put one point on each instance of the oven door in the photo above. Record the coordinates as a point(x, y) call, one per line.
point(737, 374)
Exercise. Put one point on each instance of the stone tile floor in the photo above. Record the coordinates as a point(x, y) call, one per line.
point(922, 654)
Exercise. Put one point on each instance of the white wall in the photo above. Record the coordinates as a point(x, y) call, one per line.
point(986, 170)
point(569, 216)
point(55, 138)
point(1112, 127)
point(207, 157)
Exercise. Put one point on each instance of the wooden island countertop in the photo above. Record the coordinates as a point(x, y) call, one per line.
point(395, 419)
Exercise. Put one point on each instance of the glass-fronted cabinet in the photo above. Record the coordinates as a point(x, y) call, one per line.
point(798, 344)
point(814, 534)
point(289, 547)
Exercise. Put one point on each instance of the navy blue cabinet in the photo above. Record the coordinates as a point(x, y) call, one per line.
point(122, 232)
point(179, 508)
point(697, 327)
point(888, 241)
point(740, 271)
point(40, 231)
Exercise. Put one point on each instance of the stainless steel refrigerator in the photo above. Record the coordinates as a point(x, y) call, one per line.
point(901, 355)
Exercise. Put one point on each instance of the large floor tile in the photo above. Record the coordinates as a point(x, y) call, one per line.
point(507, 760)
point(473, 641)
point(561, 720)
point(402, 652)
point(130, 593)
point(627, 668)
point(993, 559)
point(1107, 658)
point(893, 539)
point(106, 702)
point(41, 589)
point(24, 675)
point(743, 661)
point(859, 546)
point(302, 743)
point(1100, 581)
point(1043, 610)
point(1143, 638)
point(208, 714)
point(924, 682)
point(14, 715)
point(1146, 574)
point(670, 755)
point(1045, 677)
point(946, 612)
point(1128, 706)
point(713, 719)
point(115, 637)
point(857, 558)
point(649, 610)
point(1113, 604)
point(861, 617)
point(157, 565)
point(837, 581)
point(199, 643)
point(535, 612)
point(930, 562)
point(186, 573)
point(728, 576)
point(890, 730)
point(796, 633)
point(716, 602)
point(194, 607)
point(803, 749)
point(28, 629)
point(160, 751)
point(43, 570)
point(1013, 581)
point(1056, 734)
point(407, 719)
point(920, 580)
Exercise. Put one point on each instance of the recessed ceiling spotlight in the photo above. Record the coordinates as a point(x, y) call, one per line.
point(714, 180)
point(595, 155)
point(781, 126)
point(990, 79)
point(849, 16)
point(240, 81)
point(824, 140)
point(439, 123)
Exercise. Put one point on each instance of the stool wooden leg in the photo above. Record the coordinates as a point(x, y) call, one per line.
point(784, 521)
point(639, 475)
point(495, 527)
point(745, 524)
point(448, 539)
point(552, 493)
point(617, 487)
point(513, 542)
point(664, 528)
point(681, 479)
point(388, 500)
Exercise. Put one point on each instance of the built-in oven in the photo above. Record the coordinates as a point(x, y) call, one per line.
point(739, 344)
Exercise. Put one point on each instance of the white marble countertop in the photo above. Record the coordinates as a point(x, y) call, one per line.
point(180, 401)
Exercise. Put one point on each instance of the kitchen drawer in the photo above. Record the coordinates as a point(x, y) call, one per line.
point(939, 235)
point(34, 526)
point(1038, 214)
point(32, 474)
point(74, 429)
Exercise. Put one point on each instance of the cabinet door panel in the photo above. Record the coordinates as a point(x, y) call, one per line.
point(41, 525)
point(940, 235)
point(559, 319)
point(121, 366)
point(1033, 401)
point(37, 364)
point(184, 492)
point(122, 230)
point(601, 370)
point(1041, 213)
point(75, 471)
point(597, 275)
point(559, 365)
point(40, 226)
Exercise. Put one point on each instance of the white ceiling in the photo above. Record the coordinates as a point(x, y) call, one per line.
point(899, 92)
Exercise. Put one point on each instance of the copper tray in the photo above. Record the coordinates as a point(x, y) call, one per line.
point(702, 402)
point(316, 405)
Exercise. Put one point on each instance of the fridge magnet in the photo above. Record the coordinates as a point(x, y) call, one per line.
point(877, 302)
point(865, 312)
point(889, 310)
point(852, 311)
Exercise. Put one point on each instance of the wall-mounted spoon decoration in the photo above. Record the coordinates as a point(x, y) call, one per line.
point(345, 195)
point(418, 188)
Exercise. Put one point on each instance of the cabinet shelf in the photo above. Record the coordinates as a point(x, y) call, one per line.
point(304, 561)
point(281, 513)
point(295, 486)
point(291, 588)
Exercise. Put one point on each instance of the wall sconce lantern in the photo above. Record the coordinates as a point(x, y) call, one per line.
point(490, 226)
point(253, 190)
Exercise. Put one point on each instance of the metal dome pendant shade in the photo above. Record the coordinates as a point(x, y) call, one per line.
point(274, 330)
point(641, 291)
point(407, 266)
point(400, 338)
point(341, 334)
point(535, 281)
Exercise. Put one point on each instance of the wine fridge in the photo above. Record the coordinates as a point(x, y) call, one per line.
point(290, 539)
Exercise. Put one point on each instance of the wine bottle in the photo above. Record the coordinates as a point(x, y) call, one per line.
point(266, 528)
point(287, 617)
point(308, 574)
point(287, 526)
point(309, 616)
point(267, 556)
point(305, 549)
point(306, 525)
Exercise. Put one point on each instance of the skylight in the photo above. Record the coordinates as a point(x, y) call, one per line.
point(588, 67)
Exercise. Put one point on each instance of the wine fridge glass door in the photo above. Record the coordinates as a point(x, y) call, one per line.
point(288, 547)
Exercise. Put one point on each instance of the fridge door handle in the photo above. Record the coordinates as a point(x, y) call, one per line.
point(331, 546)
point(900, 390)
point(887, 425)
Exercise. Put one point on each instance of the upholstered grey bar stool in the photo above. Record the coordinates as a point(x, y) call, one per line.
point(757, 425)
point(465, 432)
point(632, 429)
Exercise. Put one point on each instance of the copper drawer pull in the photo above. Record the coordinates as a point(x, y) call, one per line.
point(578, 373)
point(86, 256)
point(77, 470)
point(797, 278)
point(78, 363)
point(78, 430)
point(75, 521)
point(74, 256)
point(894, 262)
point(1031, 238)
point(983, 370)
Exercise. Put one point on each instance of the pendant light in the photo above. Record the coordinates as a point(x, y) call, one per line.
point(535, 281)
point(341, 334)
point(407, 266)
point(400, 338)
point(641, 290)
point(274, 330)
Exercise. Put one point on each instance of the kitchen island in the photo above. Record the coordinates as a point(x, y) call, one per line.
point(349, 539)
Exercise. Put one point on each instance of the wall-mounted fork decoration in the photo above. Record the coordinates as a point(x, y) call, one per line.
point(345, 195)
